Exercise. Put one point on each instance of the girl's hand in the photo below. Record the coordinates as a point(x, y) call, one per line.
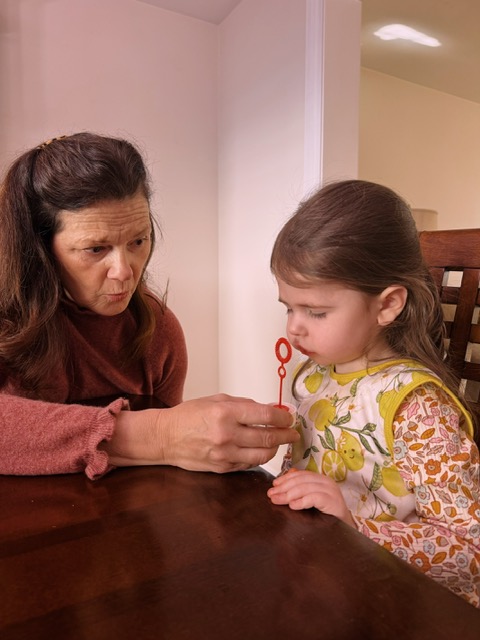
point(307, 489)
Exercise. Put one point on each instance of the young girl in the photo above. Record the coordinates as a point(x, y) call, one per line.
point(386, 445)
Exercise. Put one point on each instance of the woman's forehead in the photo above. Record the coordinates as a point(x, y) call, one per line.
point(109, 217)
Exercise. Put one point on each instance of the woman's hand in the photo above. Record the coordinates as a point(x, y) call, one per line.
point(307, 489)
point(218, 433)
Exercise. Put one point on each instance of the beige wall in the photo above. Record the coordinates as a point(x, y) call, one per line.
point(423, 143)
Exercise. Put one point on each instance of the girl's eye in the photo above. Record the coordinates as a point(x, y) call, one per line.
point(317, 315)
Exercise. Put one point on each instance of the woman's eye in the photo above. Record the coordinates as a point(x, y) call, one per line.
point(94, 250)
point(139, 242)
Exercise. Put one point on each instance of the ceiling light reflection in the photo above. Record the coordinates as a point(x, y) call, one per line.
point(402, 32)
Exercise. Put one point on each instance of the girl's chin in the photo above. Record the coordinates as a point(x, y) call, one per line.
point(317, 360)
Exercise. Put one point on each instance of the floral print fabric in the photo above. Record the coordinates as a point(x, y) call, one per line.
point(440, 466)
point(392, 438)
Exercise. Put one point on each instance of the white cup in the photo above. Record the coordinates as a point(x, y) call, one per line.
point(291, 408)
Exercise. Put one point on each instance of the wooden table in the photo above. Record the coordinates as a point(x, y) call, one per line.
point(164, 553)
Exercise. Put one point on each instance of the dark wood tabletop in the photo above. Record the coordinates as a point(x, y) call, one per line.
point(163, 553)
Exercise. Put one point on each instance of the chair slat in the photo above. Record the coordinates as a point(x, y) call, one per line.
point(462, 321)
point(475, 334)
point(471, 371)
point(449, 295)
point(456, 249)
point(452, 251)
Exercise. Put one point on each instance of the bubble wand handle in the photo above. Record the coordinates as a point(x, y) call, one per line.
point(283, 359)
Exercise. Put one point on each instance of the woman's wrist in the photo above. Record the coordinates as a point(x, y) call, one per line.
point(138, 438)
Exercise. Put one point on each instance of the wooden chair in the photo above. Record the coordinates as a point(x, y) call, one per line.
point(453, 257)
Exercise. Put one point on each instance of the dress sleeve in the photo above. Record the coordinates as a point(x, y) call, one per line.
point(43, 438)
point(440, 466)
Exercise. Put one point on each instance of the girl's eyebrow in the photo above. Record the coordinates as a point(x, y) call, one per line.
point(307, 306)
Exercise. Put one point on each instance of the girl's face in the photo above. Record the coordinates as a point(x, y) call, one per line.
point(332, 324)
point(102, 251)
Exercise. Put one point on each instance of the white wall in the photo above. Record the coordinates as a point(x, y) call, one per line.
point(261, 146)
point(127, 68)
point(424, 144)
point(340, 44)
point(271, 106)
point(122, 67)
point(280, 79)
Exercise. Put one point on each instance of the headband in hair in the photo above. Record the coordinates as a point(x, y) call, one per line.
point(45, 144)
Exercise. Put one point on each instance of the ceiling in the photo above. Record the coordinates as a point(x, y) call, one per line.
point(209, 10)
point(452, 68)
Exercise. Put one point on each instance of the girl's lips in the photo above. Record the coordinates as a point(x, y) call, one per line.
point(305, 353)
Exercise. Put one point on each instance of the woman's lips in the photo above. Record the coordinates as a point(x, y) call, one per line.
point(117, 297)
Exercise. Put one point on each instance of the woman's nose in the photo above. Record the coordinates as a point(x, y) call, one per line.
point(120, 268)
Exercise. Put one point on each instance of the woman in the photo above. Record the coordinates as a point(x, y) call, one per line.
point(77, 322)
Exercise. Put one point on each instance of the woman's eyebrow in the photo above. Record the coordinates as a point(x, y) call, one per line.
point(103, 239)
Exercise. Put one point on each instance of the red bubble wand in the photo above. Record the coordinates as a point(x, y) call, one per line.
point(282, 372)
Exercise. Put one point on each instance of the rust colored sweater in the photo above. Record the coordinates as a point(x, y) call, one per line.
point(40, 437)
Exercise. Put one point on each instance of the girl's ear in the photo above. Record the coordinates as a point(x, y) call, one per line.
point(392, 301)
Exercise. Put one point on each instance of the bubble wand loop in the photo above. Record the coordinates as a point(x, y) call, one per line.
point(283, 359)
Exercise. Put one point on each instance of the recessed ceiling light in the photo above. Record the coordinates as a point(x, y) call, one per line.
point(402, 32)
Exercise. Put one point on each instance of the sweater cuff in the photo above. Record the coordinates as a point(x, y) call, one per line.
point(97, 462)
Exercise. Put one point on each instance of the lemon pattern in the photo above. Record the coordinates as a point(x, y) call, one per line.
point(351, 451)
point(321, 413)
point(313, 381)
point(399, 445)
point(334, 466)
point(346, 433)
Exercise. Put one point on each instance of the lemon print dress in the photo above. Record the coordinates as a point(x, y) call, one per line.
point(393, 438)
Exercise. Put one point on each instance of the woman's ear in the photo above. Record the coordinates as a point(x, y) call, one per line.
point(392, 301)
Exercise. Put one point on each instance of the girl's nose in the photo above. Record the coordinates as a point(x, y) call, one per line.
point(294, 326)
point(119, 268)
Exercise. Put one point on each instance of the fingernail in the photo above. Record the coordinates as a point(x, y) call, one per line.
point(292, 410)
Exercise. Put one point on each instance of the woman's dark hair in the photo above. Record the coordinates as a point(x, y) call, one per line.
point(66, 173)
point(362, 235)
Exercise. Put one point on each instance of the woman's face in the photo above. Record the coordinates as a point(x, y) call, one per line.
point(102, 251)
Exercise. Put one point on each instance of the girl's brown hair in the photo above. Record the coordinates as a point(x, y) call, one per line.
point(363, 235)
point(66, 173)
